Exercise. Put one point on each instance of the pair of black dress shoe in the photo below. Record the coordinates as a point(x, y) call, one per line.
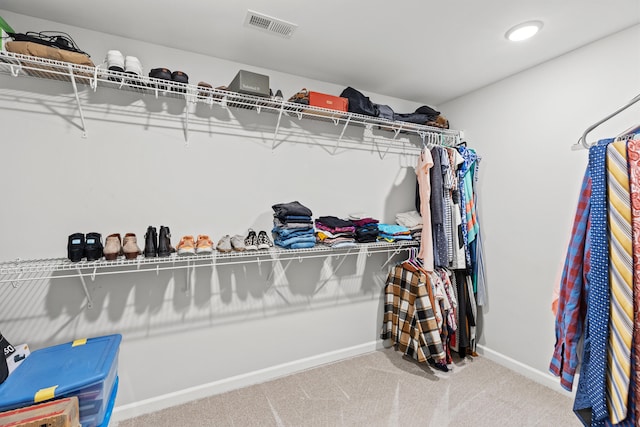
point(87, 246)
point(158, 246)
point(165, 74)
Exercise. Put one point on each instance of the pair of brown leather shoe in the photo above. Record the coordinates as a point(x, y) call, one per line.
point(115, 246)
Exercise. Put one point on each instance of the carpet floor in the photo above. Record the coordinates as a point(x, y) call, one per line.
point(382, 388)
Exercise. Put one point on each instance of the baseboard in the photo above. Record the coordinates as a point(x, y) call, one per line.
point(546, 379)
point(205, 390)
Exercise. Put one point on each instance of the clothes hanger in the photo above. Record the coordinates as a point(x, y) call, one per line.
point(629, 133)
point(583, 138)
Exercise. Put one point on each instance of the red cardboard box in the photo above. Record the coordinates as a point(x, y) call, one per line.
point(55, 413)
point(317, 99)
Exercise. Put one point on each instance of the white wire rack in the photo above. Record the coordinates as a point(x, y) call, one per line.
point(95, 77)
point(38, 270)
point(20, 270)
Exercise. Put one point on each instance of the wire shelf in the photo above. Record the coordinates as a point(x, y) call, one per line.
point(94, 77)
point(12, 271)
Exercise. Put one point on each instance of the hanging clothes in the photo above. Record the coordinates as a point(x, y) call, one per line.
point(425, 163)
point(409, 320)
point(597, 298)
point(459, 258)
point(436, 204)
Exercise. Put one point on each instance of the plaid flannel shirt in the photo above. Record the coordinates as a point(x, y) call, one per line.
point(409, 321)
point(573, 295)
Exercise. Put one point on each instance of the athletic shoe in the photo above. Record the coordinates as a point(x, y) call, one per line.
point(237, 243)
point(263, 241)
point(251, 241)
point(186, 246)
point(224, 244)
point(115, 61)
point(133, 66)
point(204, 245)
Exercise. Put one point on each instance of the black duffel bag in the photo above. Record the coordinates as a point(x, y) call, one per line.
point(358, 103)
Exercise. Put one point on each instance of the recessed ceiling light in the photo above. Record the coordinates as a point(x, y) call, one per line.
point(523, 31)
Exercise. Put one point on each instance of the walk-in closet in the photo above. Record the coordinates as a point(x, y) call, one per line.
point(250, 213)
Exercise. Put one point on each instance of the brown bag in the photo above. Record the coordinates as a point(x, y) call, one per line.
point(48, 52)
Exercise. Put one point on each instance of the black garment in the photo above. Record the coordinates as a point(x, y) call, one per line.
point(466, 318)
point(416, 118)
point(299, 219)
point(425, 109)
point(334, 222)
point(367, 234)
point(291, 208)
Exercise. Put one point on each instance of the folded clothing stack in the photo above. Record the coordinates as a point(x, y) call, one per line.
point(366, 229)
point(393, 232)
point(293, 226)
point(335, 232)
point(413, 221)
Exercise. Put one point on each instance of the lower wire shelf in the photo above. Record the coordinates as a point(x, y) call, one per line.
point(56, 268)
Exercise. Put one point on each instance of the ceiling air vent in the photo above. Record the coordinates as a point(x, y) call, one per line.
point(269, 24)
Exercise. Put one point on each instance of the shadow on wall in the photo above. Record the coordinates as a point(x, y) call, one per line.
point(401, 195)
point(142, 304)
point(141, 108)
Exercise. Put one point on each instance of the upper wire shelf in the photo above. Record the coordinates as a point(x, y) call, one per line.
point(17, 64)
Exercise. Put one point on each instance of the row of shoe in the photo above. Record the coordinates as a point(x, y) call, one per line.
point(204, 245)
point(90, 247)
point(116, 61)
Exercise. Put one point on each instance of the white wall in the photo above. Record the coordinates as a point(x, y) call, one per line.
point(134, 170)
point(524, 127)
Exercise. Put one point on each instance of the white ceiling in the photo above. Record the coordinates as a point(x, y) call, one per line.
point(421, 50)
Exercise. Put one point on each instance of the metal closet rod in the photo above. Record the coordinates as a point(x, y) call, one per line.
point(583, 138)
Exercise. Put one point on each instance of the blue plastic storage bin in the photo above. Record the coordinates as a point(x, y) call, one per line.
point(87, 369)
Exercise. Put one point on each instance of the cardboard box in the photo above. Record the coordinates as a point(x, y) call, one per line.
point(56, 413)
point(250, 83)
point(322, 100)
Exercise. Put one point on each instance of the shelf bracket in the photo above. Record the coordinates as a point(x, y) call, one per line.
point(394, 253)
point(344, 128)
point(397, 132)
point(16, 283)
point(186, 123)
point(75, 91)
point(93, 83)
point(276, 279)
point(15, 70)
point(275, 134)
point(187, 289)
point(86, 290)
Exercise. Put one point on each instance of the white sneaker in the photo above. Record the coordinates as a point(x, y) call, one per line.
point(237, 243)
point(263, 240)
point(115, 61)
point(132, 65)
